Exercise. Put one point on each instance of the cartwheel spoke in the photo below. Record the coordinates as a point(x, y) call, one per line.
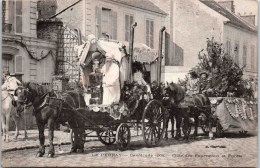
point(149, 129)
point(160, 118)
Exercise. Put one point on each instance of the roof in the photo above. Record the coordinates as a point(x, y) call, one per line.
point(233, 18)
point(142, 4)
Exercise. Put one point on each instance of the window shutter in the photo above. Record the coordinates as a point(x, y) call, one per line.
point(98, 21)
point(127, 28)
point(253, 58)
point(147, 33)
point(19, 64)
point(114, 20)
point(244, 56)
point(151, 34)
point(131, 20)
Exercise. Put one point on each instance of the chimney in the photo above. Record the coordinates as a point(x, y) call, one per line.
point(228, 4)
point(249, 18)
point(46, 8)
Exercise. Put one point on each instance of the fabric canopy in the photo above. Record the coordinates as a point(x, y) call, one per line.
point(110, 49)
point(142, 53)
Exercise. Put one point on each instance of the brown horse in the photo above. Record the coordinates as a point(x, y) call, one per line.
point(8, 114)
point(51, 109)
point(184, 107)
point(175, 94)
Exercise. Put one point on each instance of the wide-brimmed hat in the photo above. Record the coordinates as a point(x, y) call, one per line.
point(204, 72)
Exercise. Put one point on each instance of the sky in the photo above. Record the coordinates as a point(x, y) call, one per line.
point(244, 7)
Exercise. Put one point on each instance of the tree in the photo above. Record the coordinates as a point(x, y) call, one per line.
point(225, 74)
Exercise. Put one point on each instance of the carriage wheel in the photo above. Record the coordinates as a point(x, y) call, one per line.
point(72, 136)
point(243, 133)
point(123, 136)
point(107, 137)
point(219, 130)
point(153, 123)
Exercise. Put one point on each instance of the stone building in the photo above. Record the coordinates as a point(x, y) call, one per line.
point(26, 55)
point(30, 58)
point(190, 22)
point(115, 17)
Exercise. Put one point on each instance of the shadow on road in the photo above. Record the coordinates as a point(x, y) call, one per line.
point(137, 143)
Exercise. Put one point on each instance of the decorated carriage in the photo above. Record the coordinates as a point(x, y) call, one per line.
point(114, 101)
point(233, 114)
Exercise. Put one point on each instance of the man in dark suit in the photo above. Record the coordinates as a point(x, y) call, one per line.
point(204, 84)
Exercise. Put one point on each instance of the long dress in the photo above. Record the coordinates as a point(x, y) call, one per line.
point(111, 84)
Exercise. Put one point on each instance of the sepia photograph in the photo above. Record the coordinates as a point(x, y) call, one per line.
point(129, 83)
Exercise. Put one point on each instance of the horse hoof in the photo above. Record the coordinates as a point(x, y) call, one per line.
point(50, 155)
point(39, 155)
point(73, 150)
point(177, 137)
point(80, 150)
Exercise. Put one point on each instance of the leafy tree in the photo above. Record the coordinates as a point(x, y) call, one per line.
point(225, 75)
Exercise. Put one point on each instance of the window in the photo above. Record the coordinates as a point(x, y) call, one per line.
point(129, 20)
point(18, 16)
point(3, 12)
point(149, 33)
point(19, 64)
point(253, 60)
point(228, 47)
point(236, 51)
point(244, 55)
point(7, 63)
point(106, 22)
point(106, 19)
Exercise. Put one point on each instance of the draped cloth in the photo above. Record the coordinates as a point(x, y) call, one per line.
point(111, 71)
point(232, 116)
point(111, 85)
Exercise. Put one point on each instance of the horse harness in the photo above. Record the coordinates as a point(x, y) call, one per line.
point(57, 106)
point(12, 98)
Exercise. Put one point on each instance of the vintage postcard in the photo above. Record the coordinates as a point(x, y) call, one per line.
point(129, 83)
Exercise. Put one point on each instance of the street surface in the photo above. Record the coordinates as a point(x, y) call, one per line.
point(233, 150)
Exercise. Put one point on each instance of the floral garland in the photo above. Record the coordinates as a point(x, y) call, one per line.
point(23, 45)
point(242, 109)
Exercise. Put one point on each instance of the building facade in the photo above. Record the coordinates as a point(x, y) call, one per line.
point(189, 24)
point(30, 58)
point(114, 18)
point(23, 53)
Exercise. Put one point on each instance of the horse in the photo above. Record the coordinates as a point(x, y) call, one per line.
point(9, 113)
point(54, 108)
point(200, 109)
point(196, 106)
point(174, 95)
